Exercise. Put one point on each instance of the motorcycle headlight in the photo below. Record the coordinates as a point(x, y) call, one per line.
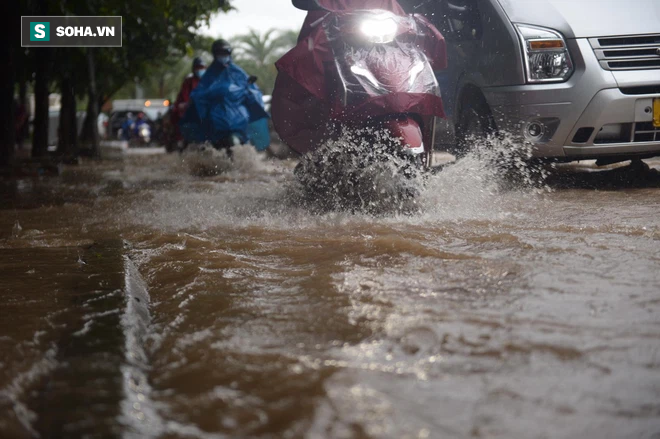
point(547, 58)
point(379, 28)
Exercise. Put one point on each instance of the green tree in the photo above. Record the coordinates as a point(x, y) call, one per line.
point(162, 78)
point(152, 30)
point(257, 53)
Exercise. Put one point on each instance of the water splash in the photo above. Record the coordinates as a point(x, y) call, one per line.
point(203, 160)
point(509, 162)
point(361, 172)
point(489, 181)
point(334, 187)
point(365, 173)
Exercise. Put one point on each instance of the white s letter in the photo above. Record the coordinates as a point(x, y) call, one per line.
point(40, 31)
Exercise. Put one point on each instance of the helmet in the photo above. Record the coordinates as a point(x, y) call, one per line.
point(221, 47)
point(307, 5)
point(198, 62)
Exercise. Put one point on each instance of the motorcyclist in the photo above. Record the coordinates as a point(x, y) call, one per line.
point(180, 106)
point(141, 120)
point(299, 106)
point(226, 102)
point(315, 13)
point(221, 50)
point(222, 57)
point(317, 9)
point(127, 127)
point(189, 84)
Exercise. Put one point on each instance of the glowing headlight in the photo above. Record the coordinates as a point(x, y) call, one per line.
point(546, 55)
point(379, 29)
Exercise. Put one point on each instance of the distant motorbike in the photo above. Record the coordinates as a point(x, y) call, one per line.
point(143, 135)
point(367, 70)
point(136, 135)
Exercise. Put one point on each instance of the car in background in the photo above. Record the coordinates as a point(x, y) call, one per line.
point(576, 79)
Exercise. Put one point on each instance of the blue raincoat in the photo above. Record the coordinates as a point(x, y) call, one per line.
point(225, 104)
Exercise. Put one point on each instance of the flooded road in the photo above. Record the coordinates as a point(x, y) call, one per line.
point(142, 301)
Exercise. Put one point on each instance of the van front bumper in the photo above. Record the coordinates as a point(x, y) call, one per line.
point(596, 114)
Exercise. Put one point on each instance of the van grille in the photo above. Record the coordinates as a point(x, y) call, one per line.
point(635, 132)
point(636, 52)
point(646, 132)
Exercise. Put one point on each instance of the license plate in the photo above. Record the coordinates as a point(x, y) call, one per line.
point(656, 112)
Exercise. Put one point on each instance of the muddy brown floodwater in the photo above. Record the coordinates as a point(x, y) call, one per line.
point(140, 301)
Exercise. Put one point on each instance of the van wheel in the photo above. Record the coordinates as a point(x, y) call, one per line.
point(475, 123)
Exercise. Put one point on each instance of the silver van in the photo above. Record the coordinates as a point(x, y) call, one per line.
point(579, 79)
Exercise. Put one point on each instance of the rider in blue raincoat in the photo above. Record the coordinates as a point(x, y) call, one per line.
point(226, 105)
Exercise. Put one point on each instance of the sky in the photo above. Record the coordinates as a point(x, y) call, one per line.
point(257, 14)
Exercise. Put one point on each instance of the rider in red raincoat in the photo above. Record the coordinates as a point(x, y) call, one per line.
point(300, 113)
point(183, 98)
point(342, 5)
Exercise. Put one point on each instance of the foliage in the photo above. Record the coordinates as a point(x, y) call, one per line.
point(162, 78)
point(257, 53)
point(153, 31)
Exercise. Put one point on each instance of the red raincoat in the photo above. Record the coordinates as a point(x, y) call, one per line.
point(182, 100)
point(300, 113)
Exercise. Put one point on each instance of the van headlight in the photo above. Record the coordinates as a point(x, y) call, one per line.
point(546, 54)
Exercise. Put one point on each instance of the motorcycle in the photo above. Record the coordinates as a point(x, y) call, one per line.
point(136, 135)
point(142, 136)
point(368, 71)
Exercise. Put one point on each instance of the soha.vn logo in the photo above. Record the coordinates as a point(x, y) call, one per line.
point(39, 31)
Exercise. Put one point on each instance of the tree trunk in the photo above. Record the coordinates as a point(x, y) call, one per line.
point(40, 140)
point(89, 123)
point(92, 106)
point(67, 144)
point(24, 133)
point(8, 124)
point(63, 129)
point(22, 95)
